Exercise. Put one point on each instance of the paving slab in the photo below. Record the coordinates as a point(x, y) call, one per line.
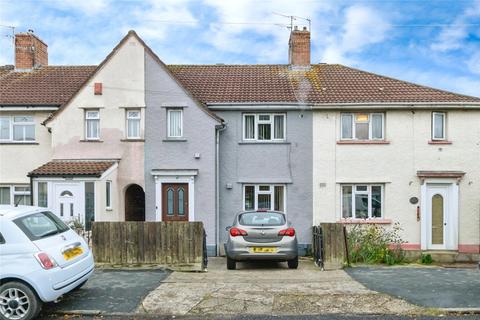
point(432, 287)
point(109, 291)
point(267, 288)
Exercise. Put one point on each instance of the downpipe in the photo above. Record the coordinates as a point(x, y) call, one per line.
point(217, 187)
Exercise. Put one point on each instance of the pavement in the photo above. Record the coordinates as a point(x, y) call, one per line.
point(109, 291)
point(433, 287)
point(268, 288)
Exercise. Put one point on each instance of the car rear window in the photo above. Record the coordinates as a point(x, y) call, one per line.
point(261, 219)
point(2, 239)
point(41, 225)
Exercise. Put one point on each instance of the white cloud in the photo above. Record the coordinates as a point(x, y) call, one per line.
point(363, 26)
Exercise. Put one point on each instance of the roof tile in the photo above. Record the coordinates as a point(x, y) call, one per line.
point(72, 168)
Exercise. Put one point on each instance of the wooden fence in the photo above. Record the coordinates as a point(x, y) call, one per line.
point(329, 246)
point(174, 244)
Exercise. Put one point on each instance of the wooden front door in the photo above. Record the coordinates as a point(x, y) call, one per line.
point(175, 202)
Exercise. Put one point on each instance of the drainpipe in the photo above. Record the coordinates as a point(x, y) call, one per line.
point(31, 190)
point(217, 187)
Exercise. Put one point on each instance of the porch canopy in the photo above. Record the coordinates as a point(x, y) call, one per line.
point(73, 168)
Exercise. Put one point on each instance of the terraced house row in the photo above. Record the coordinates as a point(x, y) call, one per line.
point(135, 139)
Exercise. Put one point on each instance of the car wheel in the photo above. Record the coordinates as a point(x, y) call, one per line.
point(18, 302)
point(231, 264)
point(293, 263)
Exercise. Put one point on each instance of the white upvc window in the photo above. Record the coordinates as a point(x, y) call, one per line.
point(362, 201)
point(264, 126)
point(439, 125)
point(362, 126)
point(174, 123)
point(264, 197)
point(133, 124)
point(17, 128)
point(92, 124)
point(108, 195)
point(15, 194)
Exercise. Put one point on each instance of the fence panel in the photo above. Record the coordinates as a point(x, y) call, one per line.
point(329, 246)
point(174, 244)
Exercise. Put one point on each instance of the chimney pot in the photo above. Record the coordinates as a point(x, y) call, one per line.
point(30, 51)
point(299, 48)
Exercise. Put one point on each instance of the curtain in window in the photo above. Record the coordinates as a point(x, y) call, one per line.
point(5, 195)
point(279, 199)
point(347, 201)
point(175, 123)
point(376, 202)
point(264, 131)
point(133, 130)
point(265, 201)
point(93, 126)
point(377, 126)
point(347, 122)
point(278, 127)
point(361, 206)
point(249, 127)
point(42, 195)
point(4, 128)
point(438, 126)
point(249, 198)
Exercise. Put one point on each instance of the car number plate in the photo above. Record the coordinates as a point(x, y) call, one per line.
point(72, 253)
point(263, 250)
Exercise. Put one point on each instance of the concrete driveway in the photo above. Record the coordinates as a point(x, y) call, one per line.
point(432, 287)
point(268, 289)
point(109, 292)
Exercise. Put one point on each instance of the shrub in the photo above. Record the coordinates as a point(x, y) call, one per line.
point(427, 259)
point(375, 244)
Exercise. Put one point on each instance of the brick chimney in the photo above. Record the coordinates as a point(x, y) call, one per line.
point(299, 48)
point(30, 51)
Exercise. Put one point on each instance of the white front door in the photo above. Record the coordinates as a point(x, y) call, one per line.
point(68, 201)
point(441, 210)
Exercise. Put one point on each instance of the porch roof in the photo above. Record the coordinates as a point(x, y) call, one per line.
point(85, 168)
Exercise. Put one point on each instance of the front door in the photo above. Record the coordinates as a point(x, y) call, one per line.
point(68, 202)
point(437, 216)
point(174, 201)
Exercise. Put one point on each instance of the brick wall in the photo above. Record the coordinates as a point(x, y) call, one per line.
point(299, 48)
point(30, 51)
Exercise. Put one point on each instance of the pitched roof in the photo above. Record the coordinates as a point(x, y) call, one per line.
point(47, 85)
point(322, 84)
point(73, 168)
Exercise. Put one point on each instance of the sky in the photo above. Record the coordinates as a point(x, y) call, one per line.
point(430, 42)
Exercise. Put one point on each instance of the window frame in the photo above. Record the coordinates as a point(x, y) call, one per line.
point(170, 110)
point(12, 124)
point(271, 122)
point(369, 193)
point(87, 119)
point(444, 115)
point(108, 195)
point(370, 126)
point(271, 192)
point(128, 118)
point(14, 192)
point(38, 193)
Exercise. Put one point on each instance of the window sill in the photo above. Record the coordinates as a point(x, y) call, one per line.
point(365, 221)
point(439, 142)
point(363, 142)
point(132, 140)
point(20, 143)
point(264, 142)
point(95, 141)
point(174, 140)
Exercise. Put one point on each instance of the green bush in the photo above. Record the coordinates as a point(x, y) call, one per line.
point(427, 259)
point(375, 244)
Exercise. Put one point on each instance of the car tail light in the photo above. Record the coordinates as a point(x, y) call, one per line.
point(235, 232)
point(45, 260)
point(290, 232)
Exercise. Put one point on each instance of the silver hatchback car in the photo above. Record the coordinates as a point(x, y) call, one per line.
point(261, 235)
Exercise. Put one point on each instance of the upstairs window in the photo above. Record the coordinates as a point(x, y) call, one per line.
point(264, 127)
point(438, 126)
point(92, 124)
point(175, 123)
point(17, 129)
point(133, 124)
point(362, 126)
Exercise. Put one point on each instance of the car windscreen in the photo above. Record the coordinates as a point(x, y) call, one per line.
point(41, 225)
point(261, 219)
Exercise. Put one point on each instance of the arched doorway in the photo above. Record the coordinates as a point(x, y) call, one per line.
point(134, 203)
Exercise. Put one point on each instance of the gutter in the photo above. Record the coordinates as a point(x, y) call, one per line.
point(218, 129)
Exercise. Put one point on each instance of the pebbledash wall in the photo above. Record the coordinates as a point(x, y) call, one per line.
point(396, 164)
point(123, 86)
point(288, 163)
point(161, 153)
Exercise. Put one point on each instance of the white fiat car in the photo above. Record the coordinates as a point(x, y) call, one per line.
point(41, 259)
